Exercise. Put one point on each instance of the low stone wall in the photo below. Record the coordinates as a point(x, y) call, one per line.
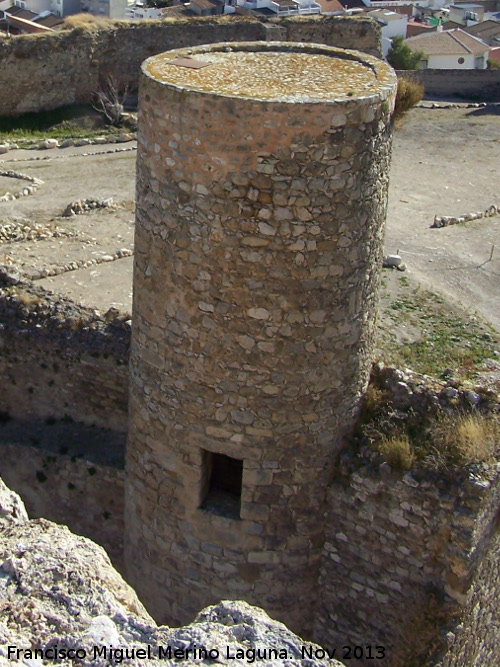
point(475, 84)
point(58, 360)
point(401, 559)
point(39, 72)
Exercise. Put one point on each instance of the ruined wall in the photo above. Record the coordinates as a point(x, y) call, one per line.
point(47, 71)
point(402, 558)
point(475, 84)
point(57, 360)
point(257, 261)
point(72, 489)
point(474, 640)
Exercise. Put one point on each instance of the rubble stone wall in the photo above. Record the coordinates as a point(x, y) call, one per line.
point(70, 490)
point(39, 72)
point(474, 84)
point(404, 551)
point(61, 362)
point(258, 246)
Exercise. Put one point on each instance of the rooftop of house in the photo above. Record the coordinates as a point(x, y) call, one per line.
point(485, 30)
point(466, 6)
point(49, 21)
point(205, 4)
point(494, 55)
point(21, 13)
point(447, 43)
point(330, 6)
point(385, 15)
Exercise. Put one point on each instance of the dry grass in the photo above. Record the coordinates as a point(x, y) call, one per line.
point(86, 21)
point(397, 451)
point(375, 402)
point(408, 95)
point(468, 438)
point(27, 299)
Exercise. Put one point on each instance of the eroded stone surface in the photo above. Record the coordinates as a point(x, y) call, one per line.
point(60, 590)
point(290, 75)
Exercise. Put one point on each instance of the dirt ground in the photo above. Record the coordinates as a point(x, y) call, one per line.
point(445, 162)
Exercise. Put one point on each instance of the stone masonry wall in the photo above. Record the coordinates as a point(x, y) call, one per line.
point(476, 84)
point(59, 360)
point(70, 489)
point(258, 246)
point(474, 639)
point(40, 72)
point(403, 556)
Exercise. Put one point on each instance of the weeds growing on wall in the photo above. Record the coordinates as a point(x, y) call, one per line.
point(467, 438)
point(432, 438)
point(86, 21)
point(397, 451)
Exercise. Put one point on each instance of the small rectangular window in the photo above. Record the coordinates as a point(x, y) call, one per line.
point(221, 481)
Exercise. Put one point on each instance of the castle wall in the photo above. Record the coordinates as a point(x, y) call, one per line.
point(258, 246)
point(474, 640)
point(39, 72)
point(58, 360)
point(69, 489)
point(402, 561)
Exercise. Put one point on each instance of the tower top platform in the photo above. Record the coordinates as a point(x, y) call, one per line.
point(272, 71)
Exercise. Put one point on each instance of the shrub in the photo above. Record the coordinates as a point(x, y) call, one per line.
point(401, 56)
point(397, 451)
point(468, 438)
point(408, 95)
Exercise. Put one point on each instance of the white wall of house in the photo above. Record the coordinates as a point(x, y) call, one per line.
point(392, 29)
point(141, 13)
point(452, 62)
point(65, 7)
point(114, 9)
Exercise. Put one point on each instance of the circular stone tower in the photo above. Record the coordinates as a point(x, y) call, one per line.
point(262, 177)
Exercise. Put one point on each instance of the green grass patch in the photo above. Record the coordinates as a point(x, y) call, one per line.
point(76, 121)
point(442, 337)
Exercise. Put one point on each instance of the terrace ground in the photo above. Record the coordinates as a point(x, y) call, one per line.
point(445, 162)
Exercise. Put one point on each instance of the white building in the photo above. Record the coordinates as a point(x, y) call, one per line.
point(283, 7)
point(466, 14)
point(391, 23)
point(113, 9)
point(139, 12)
point(450, 49)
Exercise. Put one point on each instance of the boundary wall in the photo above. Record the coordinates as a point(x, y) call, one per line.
point(42, 72)
point(477, 84)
